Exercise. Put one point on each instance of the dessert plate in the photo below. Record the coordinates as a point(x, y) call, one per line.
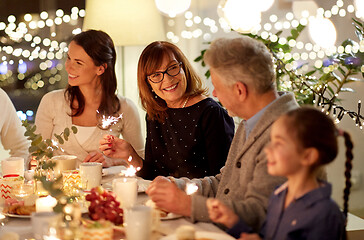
point(16, 215)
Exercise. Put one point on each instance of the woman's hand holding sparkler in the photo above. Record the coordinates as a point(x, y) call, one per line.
point(114, 147)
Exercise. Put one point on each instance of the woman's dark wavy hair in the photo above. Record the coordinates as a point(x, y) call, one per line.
point(313, 128)
point(100, 47)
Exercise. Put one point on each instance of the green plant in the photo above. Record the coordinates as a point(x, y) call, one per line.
point(318, 86)
point(42, 150)
point(44, 147)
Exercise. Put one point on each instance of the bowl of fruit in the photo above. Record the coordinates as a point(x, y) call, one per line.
point(104, 206)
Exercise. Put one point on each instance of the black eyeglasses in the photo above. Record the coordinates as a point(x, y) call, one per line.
point(172, 71)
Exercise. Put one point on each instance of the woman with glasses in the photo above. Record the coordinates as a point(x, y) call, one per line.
point(188, 133)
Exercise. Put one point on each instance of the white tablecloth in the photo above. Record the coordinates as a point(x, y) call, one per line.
point(24, 229)
point(166, 227)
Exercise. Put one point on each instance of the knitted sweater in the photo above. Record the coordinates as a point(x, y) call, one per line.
point(243, 183)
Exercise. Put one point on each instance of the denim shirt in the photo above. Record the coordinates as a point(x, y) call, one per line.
point(312, 216)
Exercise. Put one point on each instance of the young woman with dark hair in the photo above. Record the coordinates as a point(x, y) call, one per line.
point(90, 95)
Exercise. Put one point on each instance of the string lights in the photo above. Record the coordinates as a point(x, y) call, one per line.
point(294, 63)
point(24, 43)
point(195, 25)
point(328, 105)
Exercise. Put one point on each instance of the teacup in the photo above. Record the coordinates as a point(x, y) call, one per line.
point(12, 166)
point(7, 185)
point(63, 163)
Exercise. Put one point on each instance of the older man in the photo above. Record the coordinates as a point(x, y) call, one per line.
point(243, 76)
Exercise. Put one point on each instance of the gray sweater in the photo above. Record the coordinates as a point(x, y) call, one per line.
point(243, 183)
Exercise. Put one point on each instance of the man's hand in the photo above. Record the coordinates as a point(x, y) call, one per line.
point(167, 196)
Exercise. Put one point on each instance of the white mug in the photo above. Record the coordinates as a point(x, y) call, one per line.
point(13, 166)
point(126, 190)
point(91, 174)
point(138, 221)
point(63, 163)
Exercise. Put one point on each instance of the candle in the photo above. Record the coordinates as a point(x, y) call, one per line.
point(191, 188)
point(45, 204)
point(126, 190)
point(40, 191)
point(52, 235)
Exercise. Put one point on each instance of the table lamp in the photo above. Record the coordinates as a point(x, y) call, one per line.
point(128, 22)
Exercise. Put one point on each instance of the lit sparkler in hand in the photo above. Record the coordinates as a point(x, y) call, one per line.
point(191, 188)
point(107, 122)
point(131, 170)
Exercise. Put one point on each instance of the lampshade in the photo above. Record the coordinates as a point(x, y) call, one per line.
point(128, 22)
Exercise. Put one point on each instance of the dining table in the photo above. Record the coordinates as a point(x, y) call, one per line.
point(164, 230)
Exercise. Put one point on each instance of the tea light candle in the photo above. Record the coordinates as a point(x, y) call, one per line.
point(2, 219)
point(40, 191)
point(52, 235)
point(45, 204)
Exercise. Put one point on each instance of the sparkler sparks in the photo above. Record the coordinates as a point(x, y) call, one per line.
point(106, 122)
point(130, 171)
point(191, 188)
point(55, 145)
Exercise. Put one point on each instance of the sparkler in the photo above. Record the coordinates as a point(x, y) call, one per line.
point(56, 146)
point(191, 188)
point(107, 122)
point(130, 171)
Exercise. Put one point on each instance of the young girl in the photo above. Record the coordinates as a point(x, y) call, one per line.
point(302, 141)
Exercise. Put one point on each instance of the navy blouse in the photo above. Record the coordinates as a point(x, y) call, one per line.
point(193, 142)
point(314, 216)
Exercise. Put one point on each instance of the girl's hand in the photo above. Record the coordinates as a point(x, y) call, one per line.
point(247, 236)
point(220, 213)
point(95, 157)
